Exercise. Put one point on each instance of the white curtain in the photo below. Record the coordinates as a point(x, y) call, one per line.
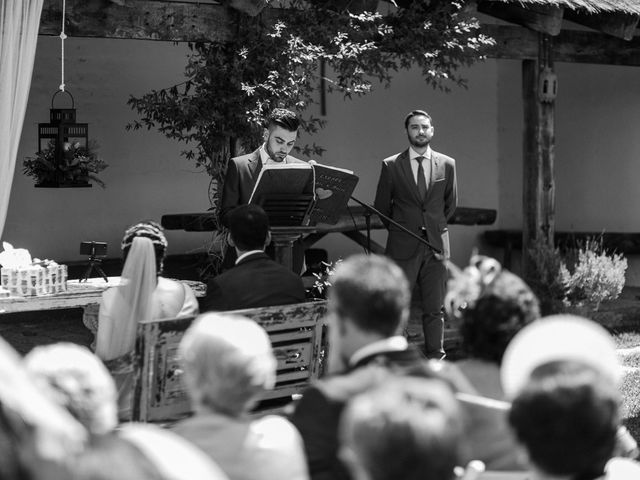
point(19, 21)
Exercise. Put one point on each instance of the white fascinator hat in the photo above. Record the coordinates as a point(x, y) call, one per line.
point(557, 338)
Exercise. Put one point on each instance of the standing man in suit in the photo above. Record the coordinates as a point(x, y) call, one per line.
point(255, 280)
point(280, 135)
point(417, 188)
point(367, 309)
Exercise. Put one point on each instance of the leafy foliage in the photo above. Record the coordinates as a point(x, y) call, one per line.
point(583, 276)
point(79, 165)
point(279, 62)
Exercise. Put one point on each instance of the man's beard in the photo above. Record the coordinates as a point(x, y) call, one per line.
point(418, 142)
point(273, 156)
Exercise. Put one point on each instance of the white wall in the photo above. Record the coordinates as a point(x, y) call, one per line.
point(362, 132)
point(146, 176)
point(596, 148)
point(596, 154)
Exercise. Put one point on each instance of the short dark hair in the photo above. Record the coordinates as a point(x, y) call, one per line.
point(489, 325)
point(567, 417)
point(372, 291)
point(248, 226)
point(415, 113)
point(409, 428)
point(283, 118)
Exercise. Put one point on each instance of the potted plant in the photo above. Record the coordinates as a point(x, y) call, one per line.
point(79, 164)
point(577, 281)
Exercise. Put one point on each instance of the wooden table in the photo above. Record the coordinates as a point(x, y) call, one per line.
point(78, 294)
point(85, 295)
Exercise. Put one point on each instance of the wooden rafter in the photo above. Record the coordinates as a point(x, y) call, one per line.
point(619, 25)
point(517, 43)
point(142, 19)
point(539, 18)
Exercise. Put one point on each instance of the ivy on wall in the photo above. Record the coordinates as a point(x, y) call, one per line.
point(273, 60)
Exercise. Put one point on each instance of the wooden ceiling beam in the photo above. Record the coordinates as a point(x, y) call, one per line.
point(575, 46)
point(619, 25)
point(142, 19)
point(540, 18)
point(190, 21)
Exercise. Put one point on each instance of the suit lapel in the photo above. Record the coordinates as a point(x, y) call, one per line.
point(255, 165)
point(405, 168)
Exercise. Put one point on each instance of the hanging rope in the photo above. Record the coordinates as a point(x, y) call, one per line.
point(63, 36)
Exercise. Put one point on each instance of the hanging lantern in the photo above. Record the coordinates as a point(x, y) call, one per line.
point(547, 85)
point(62, 135)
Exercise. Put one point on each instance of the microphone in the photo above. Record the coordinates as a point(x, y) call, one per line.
point(313, 162)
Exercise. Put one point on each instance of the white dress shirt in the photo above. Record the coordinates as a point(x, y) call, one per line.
point(397, 343)
point(266, 159)
point(246, 254)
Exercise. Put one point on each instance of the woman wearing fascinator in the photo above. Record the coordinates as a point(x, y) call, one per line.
point(143, 294)
point(492, 305)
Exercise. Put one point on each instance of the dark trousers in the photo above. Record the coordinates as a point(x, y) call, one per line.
point(427, 277)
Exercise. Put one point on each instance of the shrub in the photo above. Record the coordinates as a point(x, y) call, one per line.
point(583, 276)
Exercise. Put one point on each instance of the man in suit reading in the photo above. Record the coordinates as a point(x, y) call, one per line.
point(255, 280)
point(280, 135)
point(417, 188)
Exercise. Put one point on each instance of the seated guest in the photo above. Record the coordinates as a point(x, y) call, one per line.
point(368, 307)
point(142, 295)
point(566, 416)
point(492, 305)
point(228, 364)
point(563, 338)
point(37, 436)
point(407, 428)
point(255, 280)
point(76, 379)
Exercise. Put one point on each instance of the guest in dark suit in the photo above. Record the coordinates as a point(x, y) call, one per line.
point(255, 280)
point(368, 307)
point(417, 188)
point(280, 135)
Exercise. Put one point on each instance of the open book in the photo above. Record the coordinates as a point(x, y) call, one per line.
point(333, 188)
point(298, 194)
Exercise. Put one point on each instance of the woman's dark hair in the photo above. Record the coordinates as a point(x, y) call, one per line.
point(489, 325)
point(567, 417)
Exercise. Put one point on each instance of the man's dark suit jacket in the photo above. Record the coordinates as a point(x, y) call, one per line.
point(397, 197)
point(317, 414)
point(256, 281)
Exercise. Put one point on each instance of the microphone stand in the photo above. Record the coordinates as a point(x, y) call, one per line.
point(370, 209)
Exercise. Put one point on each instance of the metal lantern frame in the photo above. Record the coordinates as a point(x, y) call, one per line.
point(62, 128)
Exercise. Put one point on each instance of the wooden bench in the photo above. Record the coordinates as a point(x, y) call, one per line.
point(297, 334)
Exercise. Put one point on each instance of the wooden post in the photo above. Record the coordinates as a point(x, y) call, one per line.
point(538, 145)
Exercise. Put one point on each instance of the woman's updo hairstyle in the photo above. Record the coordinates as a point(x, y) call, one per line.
point(150, 230)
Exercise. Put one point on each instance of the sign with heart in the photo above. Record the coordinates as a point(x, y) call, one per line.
point(323, 193)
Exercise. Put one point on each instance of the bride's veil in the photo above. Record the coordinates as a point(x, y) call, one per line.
point(133, 299)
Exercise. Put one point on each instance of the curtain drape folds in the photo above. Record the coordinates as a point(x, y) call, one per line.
point(19, 23)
